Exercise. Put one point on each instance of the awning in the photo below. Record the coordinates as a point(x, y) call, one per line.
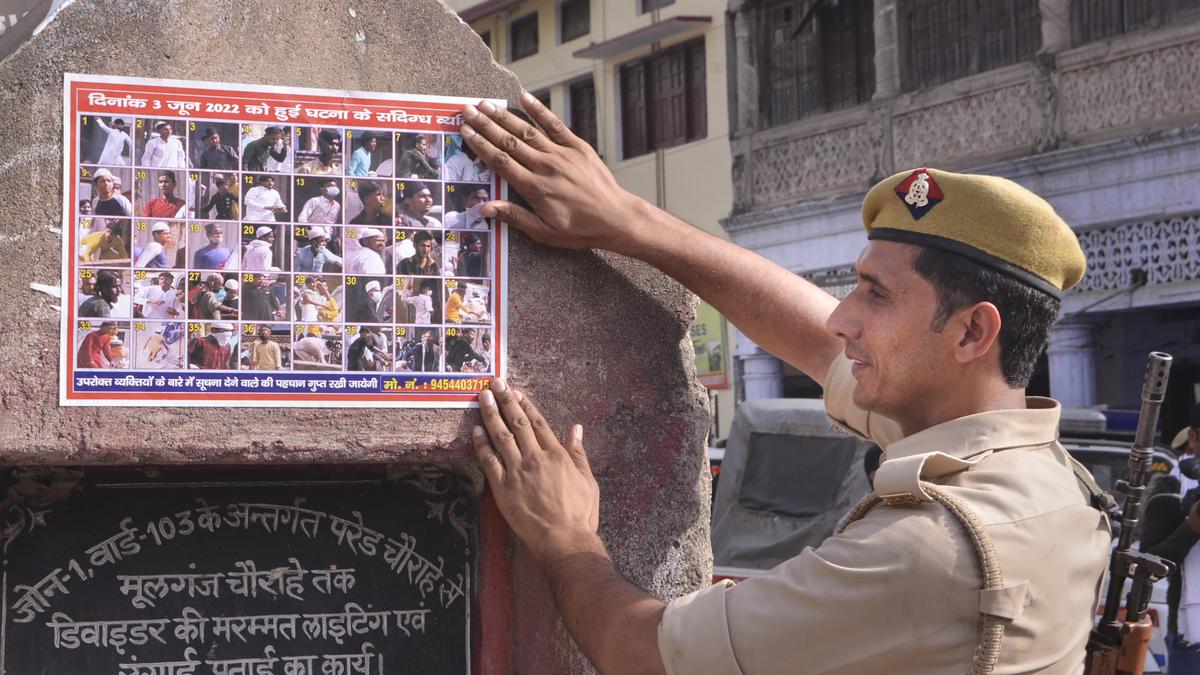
point(643, 36)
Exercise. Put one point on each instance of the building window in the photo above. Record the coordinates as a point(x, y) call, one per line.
point(943, 40)
point(486, 36)
point(1098, 19)
point(651, 5)
point(818, 58)
point(574, 19)
point(583, 110)
point(663, 99)
point(523, 37)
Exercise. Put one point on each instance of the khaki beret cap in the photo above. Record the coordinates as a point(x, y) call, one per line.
point(988, 219)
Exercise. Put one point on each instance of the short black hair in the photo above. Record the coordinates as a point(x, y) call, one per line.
point(423, 235)
point(1026, 313)
point(367, 189)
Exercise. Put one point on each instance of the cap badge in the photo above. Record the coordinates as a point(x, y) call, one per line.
point(919, 192)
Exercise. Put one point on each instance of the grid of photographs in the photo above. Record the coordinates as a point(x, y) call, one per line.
point(259, 247)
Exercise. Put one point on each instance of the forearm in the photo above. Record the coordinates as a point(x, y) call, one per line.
point(614, 622)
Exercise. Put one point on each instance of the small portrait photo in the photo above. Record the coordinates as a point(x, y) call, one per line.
point(317, 298)
point(264, 247)
point(317, 200)
point(370, 153)
point(266, 148)
point(462, 166)
point(105, 140)
point(418, 349)
point(160, 144)
point(108, 192)
point(104, 241)
point(100, 343)
point(466, 253)
point(368, 202)
point(214, 195)
point(266, 198)
point(464, 202)
point(213, 146)
point(266, 346)
point(213, 296)
point(370, 299)
point(468, 350)
point(214, 245)
point(265, 296)
point(419, 301)
point(102, 294)
point(158, 194)
point(319, 151)
point(417, 252)
point(418, 204)
point(317, 347)
point(370, 348)
point(365, 248)
point(213, 346)
point(468, 301)
point(159, 244)
point(317, 249)
point(419, 156)
point(159, 345)
point(159, 295)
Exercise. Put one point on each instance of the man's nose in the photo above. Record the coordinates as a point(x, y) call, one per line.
point(843, 324)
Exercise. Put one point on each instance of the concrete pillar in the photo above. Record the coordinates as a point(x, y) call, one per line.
point(1056, 25)
point(1072, 355)
point(887, 49)
point(762, 374)
point(745, 69)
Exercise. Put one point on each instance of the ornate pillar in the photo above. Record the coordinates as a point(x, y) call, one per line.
point(1056, 24)
point(1072, 356)
point(762, 374)
point(745, 70)
point(887, 50)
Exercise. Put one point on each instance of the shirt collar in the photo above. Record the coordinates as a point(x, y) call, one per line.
point(965, 437)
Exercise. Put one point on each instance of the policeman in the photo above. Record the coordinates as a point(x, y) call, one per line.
point(979, 550)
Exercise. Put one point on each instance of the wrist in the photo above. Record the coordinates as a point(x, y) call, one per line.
point(637, 226)
point(564, 544)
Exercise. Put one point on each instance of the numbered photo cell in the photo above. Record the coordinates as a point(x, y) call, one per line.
point(266, 148)
point(467, 253)
point(213, 296)
point(104, 241)
point(468, 301)
point(264, 247)
point(370, 299)
point(369, 348)
point(418, 300)
point(107, 191)
point(418, 349)
point(158, 194)
point(265, 297)
point(159, 345)
point(417, 252)
point(105, 140)
point(159, 295)
point(419, 155)
point(468, 350)
point(213, 146)
point(368, 202)
point(317, 200)
point(215, 195)
point(366, 249)
point(266, 198)
point(317, 249)
point(160, 144)
point(101, 294)
point(418, 204)
point(266, 346)
point(464, 204)
point(213, 346)
point(461, 165)
point(317, 347)
point(319, 151)
point(370, 153)
point(101, 344)
point(214, 245)
point(317, 298)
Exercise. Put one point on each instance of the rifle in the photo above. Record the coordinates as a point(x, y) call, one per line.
point(1118, 645)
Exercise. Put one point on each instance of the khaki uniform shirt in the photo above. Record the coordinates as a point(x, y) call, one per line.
point(900, 590)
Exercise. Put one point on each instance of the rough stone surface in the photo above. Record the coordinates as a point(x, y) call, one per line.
point(593, 338)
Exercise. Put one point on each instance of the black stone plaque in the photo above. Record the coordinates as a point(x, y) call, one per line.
point(238, 577)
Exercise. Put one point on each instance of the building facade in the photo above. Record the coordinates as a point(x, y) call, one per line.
point(644, 82)
point(1093, 104)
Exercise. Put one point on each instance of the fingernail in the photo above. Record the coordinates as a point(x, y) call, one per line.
point(519, 396)
point(527, 97)
point(470, 111)
point(577, 432)
point(499, 385)
point(487, 107)
point(487, 398)
point(466, 130)
point(478, 431)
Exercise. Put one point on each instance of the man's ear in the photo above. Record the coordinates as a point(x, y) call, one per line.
point(977, 328)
